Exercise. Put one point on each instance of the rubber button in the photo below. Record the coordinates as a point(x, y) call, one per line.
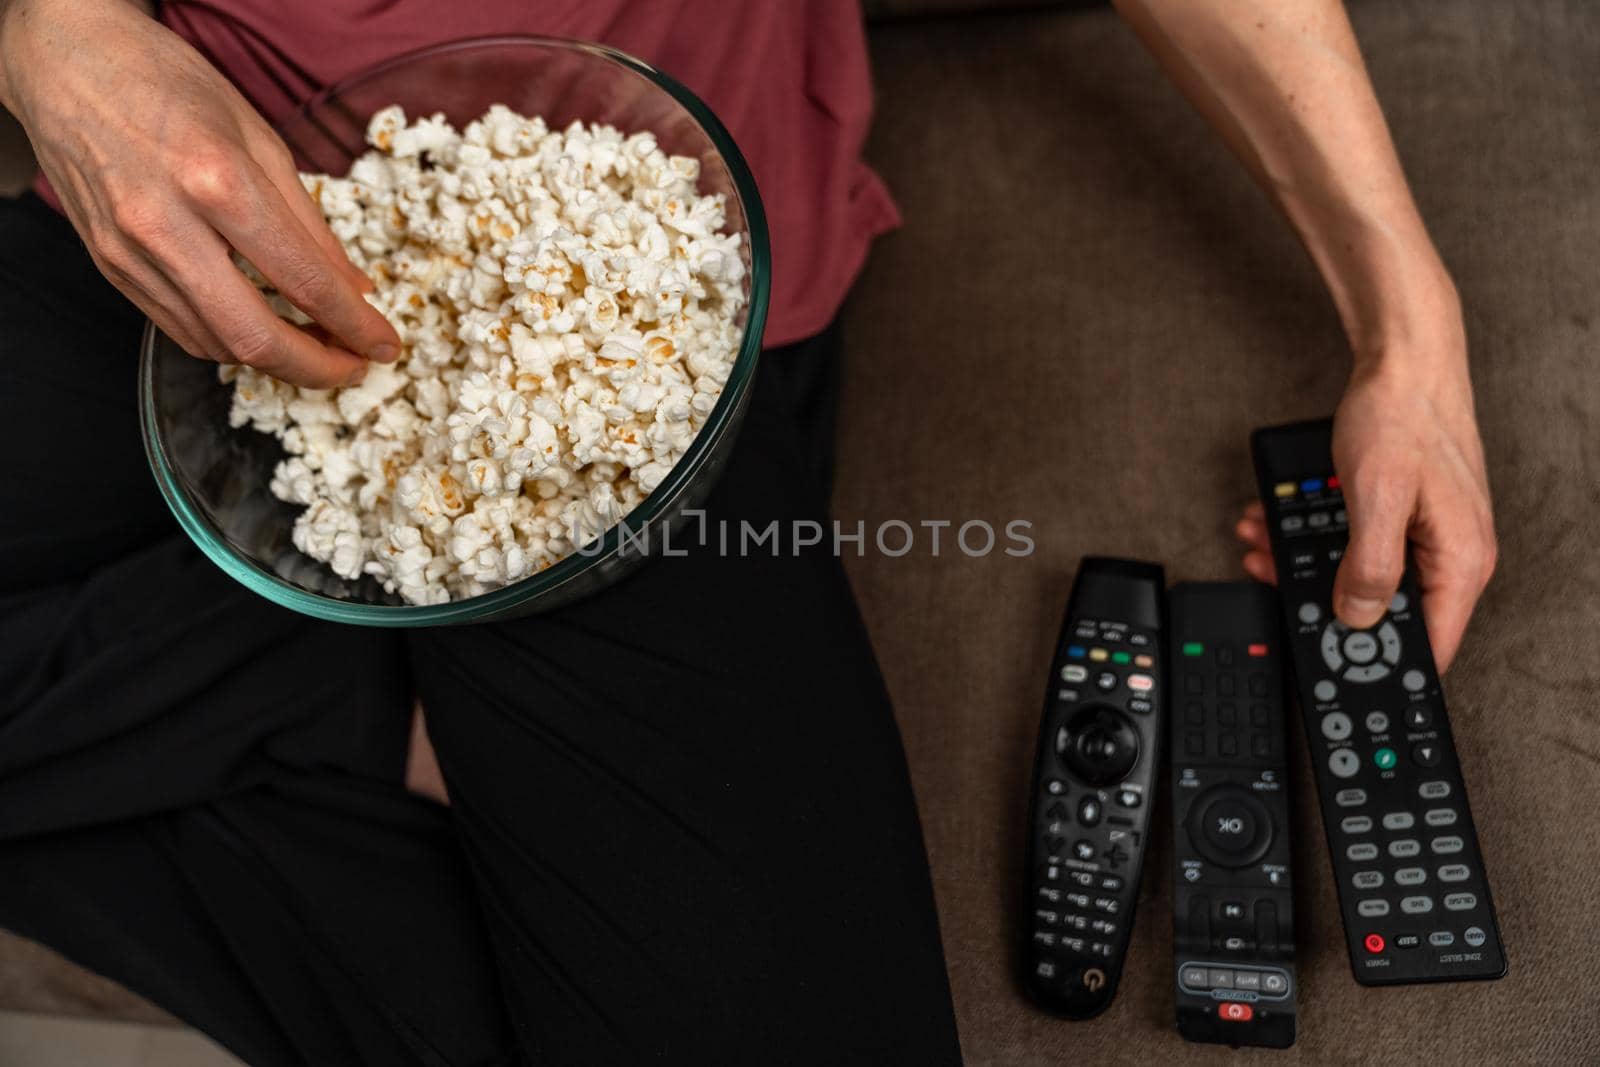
point(1234, 1012)
point(1374, 943)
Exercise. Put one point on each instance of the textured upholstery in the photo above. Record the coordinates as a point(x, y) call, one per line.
point(1087, 311)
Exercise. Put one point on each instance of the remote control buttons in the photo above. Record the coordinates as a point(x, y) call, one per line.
point(1374, 943)
point(1385, 759)
point(1325, 691)
point(1074, 673)
point(1350, 798)
point(1361, 647)
point(1427, 754)
point(1398, 604)
point(1099, 745)
point(1309, 613)
point(1336, 726)
point(1377, 722)
point(1433, 790)
point(1344, 763)
point(1475, 936)
point(1230, 827)
point(1330, 645)
point(1089, 812)
point(1419, 717)
point(1414, 680)
point(1234, 1012)
point(1389, 638)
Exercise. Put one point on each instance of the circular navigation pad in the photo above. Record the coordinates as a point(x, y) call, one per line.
point(1099, 745)
point(1230, 827)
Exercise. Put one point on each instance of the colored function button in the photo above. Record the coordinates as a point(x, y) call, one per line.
point(1333, 481)
point(1257, 650)
point(1384, 758)
point(1311, 485)
point(1283, 489)
point(1140, 683)
point(1234, 1012)
point(1143, 661)
point(1193, 648)
point(1098, 655)
point(1374, 943)
point(1075, 651)
point(1121, 657)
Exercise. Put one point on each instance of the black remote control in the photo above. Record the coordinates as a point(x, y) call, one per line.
point(1411, 879)
point(1233, 918)
point(1093, 782)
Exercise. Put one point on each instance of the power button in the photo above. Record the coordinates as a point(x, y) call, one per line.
point(1234, 1012)
point(1374, 943)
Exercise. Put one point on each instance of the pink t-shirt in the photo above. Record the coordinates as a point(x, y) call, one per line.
point(789, 78)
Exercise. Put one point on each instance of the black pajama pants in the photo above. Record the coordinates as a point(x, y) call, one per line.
point(681, 827)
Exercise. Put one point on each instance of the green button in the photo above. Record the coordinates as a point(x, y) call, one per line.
point(1384, 758)
point(1119, 657)
point(1193, 648)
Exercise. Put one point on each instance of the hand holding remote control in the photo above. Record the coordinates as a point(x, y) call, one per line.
point(1411, 878)
point(1407, 477)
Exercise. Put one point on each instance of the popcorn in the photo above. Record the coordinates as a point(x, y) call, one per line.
point(569, 311)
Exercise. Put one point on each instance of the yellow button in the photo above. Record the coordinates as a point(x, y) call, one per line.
point(1097, 654)
point(1284, 489)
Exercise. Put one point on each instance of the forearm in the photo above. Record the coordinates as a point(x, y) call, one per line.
point(1284, 84)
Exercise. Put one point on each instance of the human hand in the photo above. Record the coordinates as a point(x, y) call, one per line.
point(1406, 448)
point(163, 168)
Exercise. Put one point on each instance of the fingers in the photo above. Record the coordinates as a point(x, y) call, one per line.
point(252, 216)
point(1252, 530)
point(246, 327)
point(280, 170)
point(1369, 575)
point(141, 282)
point(1455, 559)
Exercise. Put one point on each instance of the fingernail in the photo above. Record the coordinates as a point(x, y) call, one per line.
point(357, 376)
point(384, 353)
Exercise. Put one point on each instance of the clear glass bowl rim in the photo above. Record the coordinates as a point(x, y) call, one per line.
point(499, 602)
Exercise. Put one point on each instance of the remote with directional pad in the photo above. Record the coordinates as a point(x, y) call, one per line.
point(1412, 886)
point(1094, 779)
point(1233, 915)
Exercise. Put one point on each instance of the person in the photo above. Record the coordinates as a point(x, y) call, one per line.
point(616, 838)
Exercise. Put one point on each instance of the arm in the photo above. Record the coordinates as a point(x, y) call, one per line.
point(164, 170)
point(1283, 82)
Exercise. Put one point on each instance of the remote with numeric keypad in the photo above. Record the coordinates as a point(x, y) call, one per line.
point(1094, 779)
point(1233, 916)
point(1412, 886)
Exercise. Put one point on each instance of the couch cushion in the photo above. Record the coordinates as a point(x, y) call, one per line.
point(1087, 311)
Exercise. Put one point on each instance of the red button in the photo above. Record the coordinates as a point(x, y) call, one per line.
point(1374, 943)
point(1333, 481)
point(1234, 1012)
point(1257, 650)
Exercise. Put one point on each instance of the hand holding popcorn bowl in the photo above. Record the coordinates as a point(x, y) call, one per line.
point(575, 256)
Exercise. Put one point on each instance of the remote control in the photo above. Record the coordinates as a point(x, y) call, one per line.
point(1412, 886)
point(1233, 918)
point(1093, 782)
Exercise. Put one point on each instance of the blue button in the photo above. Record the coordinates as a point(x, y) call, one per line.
point(1311, 485)
point(1075, 651)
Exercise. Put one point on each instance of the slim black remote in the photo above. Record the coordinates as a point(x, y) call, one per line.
point(1093, 782)
point(1412, 885)
point(1233, 918)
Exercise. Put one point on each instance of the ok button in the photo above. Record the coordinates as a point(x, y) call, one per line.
point(1361, 647)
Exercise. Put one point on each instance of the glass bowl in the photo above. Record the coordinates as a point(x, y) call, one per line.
point(215, 478)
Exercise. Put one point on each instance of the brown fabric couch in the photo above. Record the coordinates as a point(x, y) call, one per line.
point(1088, 309)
